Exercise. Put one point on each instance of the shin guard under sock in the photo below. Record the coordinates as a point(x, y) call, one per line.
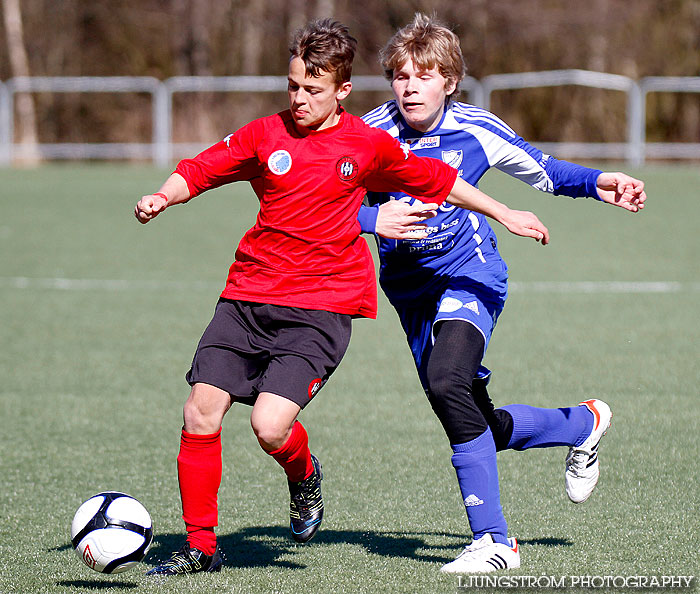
point(199, 472)
point(477, 474)
point(294, 456)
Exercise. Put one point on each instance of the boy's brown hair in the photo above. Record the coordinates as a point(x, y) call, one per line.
point(325, 45)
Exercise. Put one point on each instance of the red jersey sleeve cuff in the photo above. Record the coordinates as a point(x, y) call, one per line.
point(452, 179)
point(183, 170)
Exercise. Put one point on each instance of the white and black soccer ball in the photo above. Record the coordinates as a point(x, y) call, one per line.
point(111, 532)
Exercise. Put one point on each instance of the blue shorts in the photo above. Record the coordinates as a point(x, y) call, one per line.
point(477, 299)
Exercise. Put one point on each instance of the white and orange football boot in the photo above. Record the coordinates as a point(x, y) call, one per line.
point(582, 466)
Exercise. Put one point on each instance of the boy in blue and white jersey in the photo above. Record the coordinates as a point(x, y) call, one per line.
point(448, 282)
point(460, 244)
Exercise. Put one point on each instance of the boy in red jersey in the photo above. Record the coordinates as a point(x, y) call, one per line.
point(300, 275)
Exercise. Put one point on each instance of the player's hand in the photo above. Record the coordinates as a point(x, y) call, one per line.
point(149, 207)
point(621, 190)
point(398, 220)
point(526, 224)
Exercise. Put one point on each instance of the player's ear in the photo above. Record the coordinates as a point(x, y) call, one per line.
point(343, 90)
point(450, 86)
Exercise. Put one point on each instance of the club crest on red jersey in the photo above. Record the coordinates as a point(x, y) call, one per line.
point(279, 162)
point(347, 168)
point(314, 387)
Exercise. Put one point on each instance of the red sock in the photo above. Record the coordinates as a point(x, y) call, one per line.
point(294, 456)
point(199, 472)
point(203, 539)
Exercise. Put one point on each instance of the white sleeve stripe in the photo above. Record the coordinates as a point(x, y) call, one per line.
point(477, 114)
point(381, 115)
point(503, 148)
point(484, 122)
point(512, 159)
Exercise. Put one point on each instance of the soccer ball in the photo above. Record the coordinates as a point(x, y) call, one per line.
point(111, 532)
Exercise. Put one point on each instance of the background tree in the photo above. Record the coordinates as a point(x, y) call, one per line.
point(19, 66)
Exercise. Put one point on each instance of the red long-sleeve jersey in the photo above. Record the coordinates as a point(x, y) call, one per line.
point(305, 248)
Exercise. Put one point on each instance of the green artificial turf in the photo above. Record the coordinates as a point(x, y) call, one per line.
point(100, 317)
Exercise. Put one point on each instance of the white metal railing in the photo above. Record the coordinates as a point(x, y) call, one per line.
point(257, 84)
point(667, 84)
point(631, 150)
point(634, 148)
point(80, 84)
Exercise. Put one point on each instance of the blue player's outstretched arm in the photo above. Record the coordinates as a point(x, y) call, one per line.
point(621, 190)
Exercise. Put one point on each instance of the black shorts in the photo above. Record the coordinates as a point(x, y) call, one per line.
point(250, 348)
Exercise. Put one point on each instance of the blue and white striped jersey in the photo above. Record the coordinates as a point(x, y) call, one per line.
point(461, 242)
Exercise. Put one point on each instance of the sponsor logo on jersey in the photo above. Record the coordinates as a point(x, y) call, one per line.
point(406, 148)
point(314, 387)
point(453, 158)
point(347, 168)
point(446, 207)
point(472, 501)
point(279, 162)
point(227, 140)
point(448, 225)
point(429, 142)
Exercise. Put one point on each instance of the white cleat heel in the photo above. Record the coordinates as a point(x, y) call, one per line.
point(485, 556)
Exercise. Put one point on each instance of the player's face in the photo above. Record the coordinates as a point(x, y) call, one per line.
point(314, 100)
point(421, 95)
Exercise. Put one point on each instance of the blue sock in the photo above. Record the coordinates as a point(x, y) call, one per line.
point(547, 427)
point(477, 474)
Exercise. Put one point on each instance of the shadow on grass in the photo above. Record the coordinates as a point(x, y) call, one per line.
point(547, 542)
point(272, 546)
point(97, 584)
point(265, 546)
point(106, 583)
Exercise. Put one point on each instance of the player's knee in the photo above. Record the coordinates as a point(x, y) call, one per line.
point(441, 387)
point(444, 380)
point(203, 414)
point(271, 434)
point(454, 406)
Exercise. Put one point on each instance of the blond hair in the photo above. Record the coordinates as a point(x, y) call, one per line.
point(430, 44)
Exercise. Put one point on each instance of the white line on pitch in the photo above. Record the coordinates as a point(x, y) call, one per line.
point(603, 287)
point(575, 287)
point(93, 284)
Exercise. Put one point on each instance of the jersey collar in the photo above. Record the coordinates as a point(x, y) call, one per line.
point(407, 132)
